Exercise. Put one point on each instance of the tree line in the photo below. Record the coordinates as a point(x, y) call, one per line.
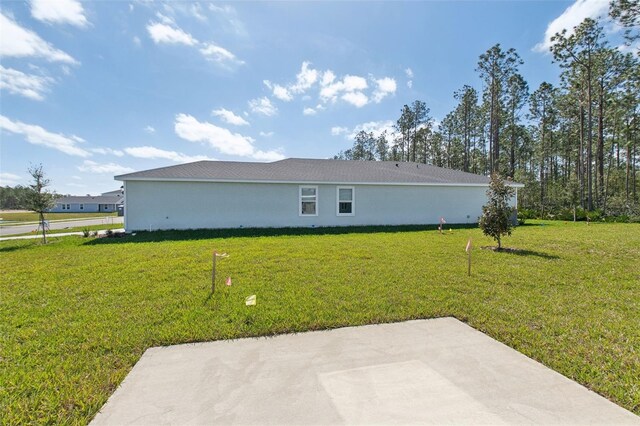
point(14, 198)
point(574, 145)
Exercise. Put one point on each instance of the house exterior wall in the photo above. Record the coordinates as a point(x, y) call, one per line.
point(88, 208)
point(75, 208)
point(192, 205)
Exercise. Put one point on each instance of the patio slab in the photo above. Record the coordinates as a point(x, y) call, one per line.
point(437, 371)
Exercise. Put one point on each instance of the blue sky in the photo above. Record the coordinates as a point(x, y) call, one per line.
point(96, 89)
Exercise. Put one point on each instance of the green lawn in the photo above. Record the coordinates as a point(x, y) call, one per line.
point(73, 229)
point(33, 217)
point(77, 314)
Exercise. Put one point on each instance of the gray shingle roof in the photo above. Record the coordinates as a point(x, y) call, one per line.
point(299, 170)
point(89, 199)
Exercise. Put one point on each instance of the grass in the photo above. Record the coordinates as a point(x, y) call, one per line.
point(77, 314)
point(33, 217)
point(72, 229)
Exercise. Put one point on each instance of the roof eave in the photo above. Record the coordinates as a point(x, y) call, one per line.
point(124, 178)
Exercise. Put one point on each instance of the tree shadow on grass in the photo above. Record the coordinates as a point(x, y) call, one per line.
point(204, 234)
point(520, 252)
point(16, 247)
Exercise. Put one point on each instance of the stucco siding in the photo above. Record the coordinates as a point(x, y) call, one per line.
point(193, 205)
point(75, 208)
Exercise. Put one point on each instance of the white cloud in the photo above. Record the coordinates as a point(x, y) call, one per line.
point(572, 17)
point(266, 134)
point(165, 33)
point(375, 127)
point(9, 179)
point(409, 73)
point(149, 129)
point(305, 78)
point(263, 106)
point(215, 53)
point(385, 86)
point(358, 99)
point(349, 84)
point(105, 151)
point(196, 12)
point(164, 18)
point(189, 128)
point(309, 111)
point(28, 85)
point(59, 12)
point(338, 130)
point(229, 117)
point(16, 41)
point(278, 91)
point(38, 136)
point(268, 155)
point(136, 41)
point(352, 89)
point(282, 93)
point(151, 152)
point(410, 84)
point(108, 168)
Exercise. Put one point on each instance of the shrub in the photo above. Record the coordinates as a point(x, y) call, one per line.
point(497, 213)
point(86, 232)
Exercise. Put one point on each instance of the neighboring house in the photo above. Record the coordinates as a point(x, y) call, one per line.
point(300, 193)
point(88, 204)
point(116, 193)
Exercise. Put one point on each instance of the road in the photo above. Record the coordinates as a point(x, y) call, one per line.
point(24, 229)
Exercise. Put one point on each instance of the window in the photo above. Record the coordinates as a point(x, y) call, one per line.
point(68, 206)
point(63, 206)
point(308, 201)
point(81, 206)
point(345, 201)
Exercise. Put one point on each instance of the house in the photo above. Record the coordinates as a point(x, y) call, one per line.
point(300, 193)
point(89, 204)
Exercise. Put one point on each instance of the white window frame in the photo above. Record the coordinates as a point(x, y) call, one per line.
point(300, 188)
point(353, 201)
point(68, 206)
point(63, 206)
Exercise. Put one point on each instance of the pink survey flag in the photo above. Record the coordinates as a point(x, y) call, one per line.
point(468, 249)
point(228, 280)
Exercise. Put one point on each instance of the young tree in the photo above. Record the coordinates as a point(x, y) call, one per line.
point(496, 214)
point(39, 199)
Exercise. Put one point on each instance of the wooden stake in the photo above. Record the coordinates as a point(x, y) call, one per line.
point(468, 249)
point(213, 273)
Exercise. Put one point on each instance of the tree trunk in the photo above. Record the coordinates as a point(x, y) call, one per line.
point(600, 150)
point(44, 232)
point(589, 140)
point(580, 165)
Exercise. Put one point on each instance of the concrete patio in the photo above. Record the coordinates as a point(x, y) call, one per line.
point(437, 371)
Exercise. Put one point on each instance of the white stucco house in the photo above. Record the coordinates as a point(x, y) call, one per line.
point(300, 193)
point(89, 204)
